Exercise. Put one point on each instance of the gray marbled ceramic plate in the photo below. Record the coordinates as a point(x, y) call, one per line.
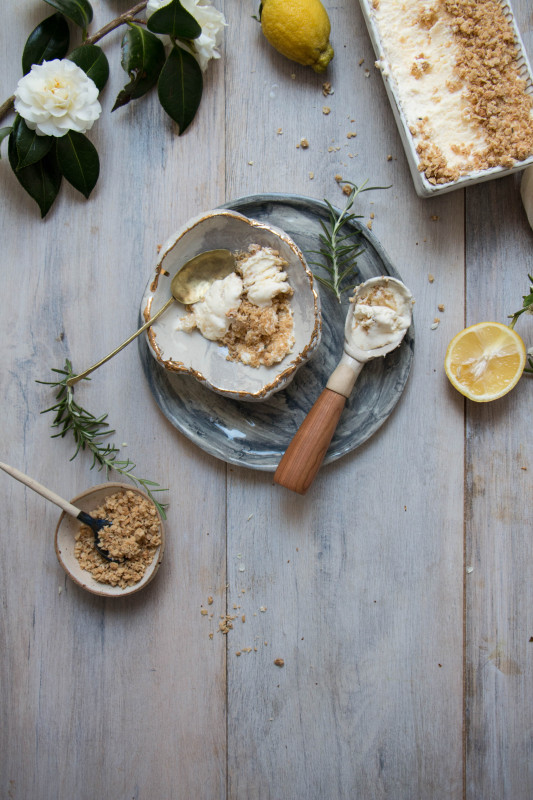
point(256, 435)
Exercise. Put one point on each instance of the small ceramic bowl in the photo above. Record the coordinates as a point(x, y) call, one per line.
point(65, 540)
point(190, 353)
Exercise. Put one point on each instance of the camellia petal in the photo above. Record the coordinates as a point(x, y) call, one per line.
point(57, 96)
point(211, 20)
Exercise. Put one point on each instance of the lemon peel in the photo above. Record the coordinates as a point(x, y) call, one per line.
point(299, 30)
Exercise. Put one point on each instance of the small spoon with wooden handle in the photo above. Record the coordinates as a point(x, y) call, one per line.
point(304, 455)
point(95, 523)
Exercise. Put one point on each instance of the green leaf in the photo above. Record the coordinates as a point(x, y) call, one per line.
point(143, 56)
point(175, 21)
point(78, 161)
point(41, 180)
point(180, 87)
point(93, 61)
point(47, 41)
point(5, 132)
point(30, 147)
point(79, 11)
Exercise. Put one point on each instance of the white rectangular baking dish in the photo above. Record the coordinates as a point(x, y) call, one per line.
point(422, 186)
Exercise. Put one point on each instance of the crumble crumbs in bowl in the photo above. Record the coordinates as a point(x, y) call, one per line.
point(135, 540)
point(254, 328)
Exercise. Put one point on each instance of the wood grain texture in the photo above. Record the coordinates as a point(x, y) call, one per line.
point(405, 676)
point(305, 454)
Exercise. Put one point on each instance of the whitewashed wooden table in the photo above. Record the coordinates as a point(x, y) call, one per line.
point(398, 591)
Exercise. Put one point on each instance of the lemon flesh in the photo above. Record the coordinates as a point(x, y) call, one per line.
point(485, 361)
point(299, 30)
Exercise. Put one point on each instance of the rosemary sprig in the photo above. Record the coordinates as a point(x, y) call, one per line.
point(88, 432)
point(338, 253)
point(527, 308)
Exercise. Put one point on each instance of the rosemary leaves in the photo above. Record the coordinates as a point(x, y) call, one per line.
point(89, 432)
point(338, 251)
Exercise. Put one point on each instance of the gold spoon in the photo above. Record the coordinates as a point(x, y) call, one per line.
point(188, 286)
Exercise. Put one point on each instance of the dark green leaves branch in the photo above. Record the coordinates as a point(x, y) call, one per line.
point(41, 162)
point(89, 431)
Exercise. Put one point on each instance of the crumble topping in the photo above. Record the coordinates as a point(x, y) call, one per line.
point(463, 94)
point(134, 537)
point(254, 320)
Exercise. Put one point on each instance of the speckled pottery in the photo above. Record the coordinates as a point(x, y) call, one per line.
point(255, 435)
point(190, 353)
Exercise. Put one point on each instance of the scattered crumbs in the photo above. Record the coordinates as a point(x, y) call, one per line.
point(431, 278)
point(367, 73)
point(439, 665)
point(265, 643)
point(249, 517)
point(226, 623)
point(304, 144)
point(326, 110)
point(434, 217)
point(60, 337)
point(346, 189)
point(243, 591)
point(164, 271)
point(435, 324)
point(243, 618)
point(441, 306)
point(469, 570)
point(209, 601)
point(405, 508)
point(531, 638)
point(389, 157)
point(293, 76)
point(361, 61)
point(241, 567)
point(279, 131)
point(238, 653)
point(246, 649)
point(369, 224)
point(338, 178)
point(203, 612)
point(271, 719)
point(235, 606)
point(350, 155)
point(311, 175)
point(524, 468)
point(263, 608)
point(326, 89)
point(59, 589)
point(250, 163)
point(211, 635)
point(158, 247)
point(372, 215)
point(351, 135)
point(279, 662)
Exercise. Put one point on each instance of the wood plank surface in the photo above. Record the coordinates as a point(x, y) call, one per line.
point(406, 675)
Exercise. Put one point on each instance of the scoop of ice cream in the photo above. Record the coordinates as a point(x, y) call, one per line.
point(210, 315)
point(263, 275)
point(380, 316)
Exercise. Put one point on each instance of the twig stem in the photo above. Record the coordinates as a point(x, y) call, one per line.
point(128, 16)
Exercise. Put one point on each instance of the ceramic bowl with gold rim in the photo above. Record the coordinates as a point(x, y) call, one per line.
point(207, 361)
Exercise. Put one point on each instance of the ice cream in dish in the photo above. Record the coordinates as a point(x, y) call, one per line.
point(249, 310)
point(257, 328)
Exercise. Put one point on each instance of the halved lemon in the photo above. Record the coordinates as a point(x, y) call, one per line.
point(485, 361)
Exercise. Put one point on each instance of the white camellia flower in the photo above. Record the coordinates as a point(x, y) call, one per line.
point(56, 97)
point(211, 20)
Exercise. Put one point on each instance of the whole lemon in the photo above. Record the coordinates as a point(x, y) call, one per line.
point(299, 30)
